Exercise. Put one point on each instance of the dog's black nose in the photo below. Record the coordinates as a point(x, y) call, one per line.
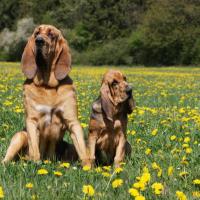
point(39, 40)
point(128, 89)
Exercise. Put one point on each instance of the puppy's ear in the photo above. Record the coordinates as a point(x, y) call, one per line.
point(28, 63)
point(62, 59)
point(130, 104)
point(107, 101)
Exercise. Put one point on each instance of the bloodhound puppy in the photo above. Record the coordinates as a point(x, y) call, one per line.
point(49, 99)
point(108, 122)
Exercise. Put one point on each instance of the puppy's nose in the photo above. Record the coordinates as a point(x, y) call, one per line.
point(128, 89)
point(39, 40)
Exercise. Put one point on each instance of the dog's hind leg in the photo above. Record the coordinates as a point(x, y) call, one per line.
point(18, 142)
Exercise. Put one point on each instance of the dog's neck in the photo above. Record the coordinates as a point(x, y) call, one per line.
point(45, 75)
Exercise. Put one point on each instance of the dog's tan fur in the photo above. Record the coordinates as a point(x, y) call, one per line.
point(108, 122)
point(49, 98)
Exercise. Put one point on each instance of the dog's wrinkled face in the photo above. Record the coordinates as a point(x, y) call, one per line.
point(120, 90)
point(45, 37)
point(45, 53)
point(115, 92)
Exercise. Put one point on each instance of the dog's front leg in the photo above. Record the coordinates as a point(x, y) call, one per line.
point(33, 139)
point(92, 139)
point(76, 134)
point(120, 150)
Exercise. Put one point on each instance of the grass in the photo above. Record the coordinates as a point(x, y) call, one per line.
point(167, 105)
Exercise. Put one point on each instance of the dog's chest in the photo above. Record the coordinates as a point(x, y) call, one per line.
point(48, 114)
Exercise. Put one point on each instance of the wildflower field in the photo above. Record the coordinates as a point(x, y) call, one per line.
point(164, 131)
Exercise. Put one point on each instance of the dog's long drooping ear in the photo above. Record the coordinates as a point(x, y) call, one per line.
point(106, 101)
point(62, 59)
point(28, 63)
point(130, 105)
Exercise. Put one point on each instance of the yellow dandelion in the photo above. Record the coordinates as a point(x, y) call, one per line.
point(154, 132)
point(159, 174)
point(140, 197)
point(42, 172)
point(88, 190)
point(133, 132)
point(65, 165)
point(196, 194)
point(133, 192)
point(57, 173)
point(106, 174)
point(185, 145)
point(1, 193)
point(107, 168)
point(183, 174)
point(170, 170)
point(34, 197)
point(188, 150)
point(196, 181)
point(173, 137)
point(148, 151)
point(158, 188)
point(29, 185)
point(47, 161)
point(140, 185)
point(117, 183)
point(155, 165)
point(180, 195)
point(118, 170)
point(186, 139)
point(86, 168)
point(98, 169)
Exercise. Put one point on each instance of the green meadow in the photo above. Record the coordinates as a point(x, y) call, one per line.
point(164, 131)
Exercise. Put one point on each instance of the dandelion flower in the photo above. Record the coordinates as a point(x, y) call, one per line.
point(170, 170)
point(42, 172)
point(183, 174)
point(154, 132)
point(133, 192)
point(107, 168)
point(180, 195)
point(158, 188)
point(57, 173)
point(47, 161)
point(1, 193)
point(188, 150)
point(106, 174)
point(117, 183)
point(148, 151)
point(196, 194)
point(65, 165)
point(98, 169)
point(118, 170)
point(186, 139)
point(173, 137)
point(140, 197)
point(29, 185)
point(86, 168)
point(88, 190)
point(196, 181)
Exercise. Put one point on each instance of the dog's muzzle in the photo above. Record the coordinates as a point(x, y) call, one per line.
point(39, 41)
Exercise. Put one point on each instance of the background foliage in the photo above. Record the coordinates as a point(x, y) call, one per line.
point(119, 32)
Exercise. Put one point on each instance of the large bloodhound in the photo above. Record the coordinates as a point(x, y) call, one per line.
point(49, 99)
point(108, 122)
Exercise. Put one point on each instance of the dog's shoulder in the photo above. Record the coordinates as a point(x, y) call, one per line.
point(96, 106)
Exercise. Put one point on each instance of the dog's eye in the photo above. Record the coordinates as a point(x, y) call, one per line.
point(114, 83)
point(50, 35)
point(36, 33)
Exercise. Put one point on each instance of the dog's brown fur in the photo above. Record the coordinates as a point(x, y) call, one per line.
point(49, 98)
point(108, 122)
